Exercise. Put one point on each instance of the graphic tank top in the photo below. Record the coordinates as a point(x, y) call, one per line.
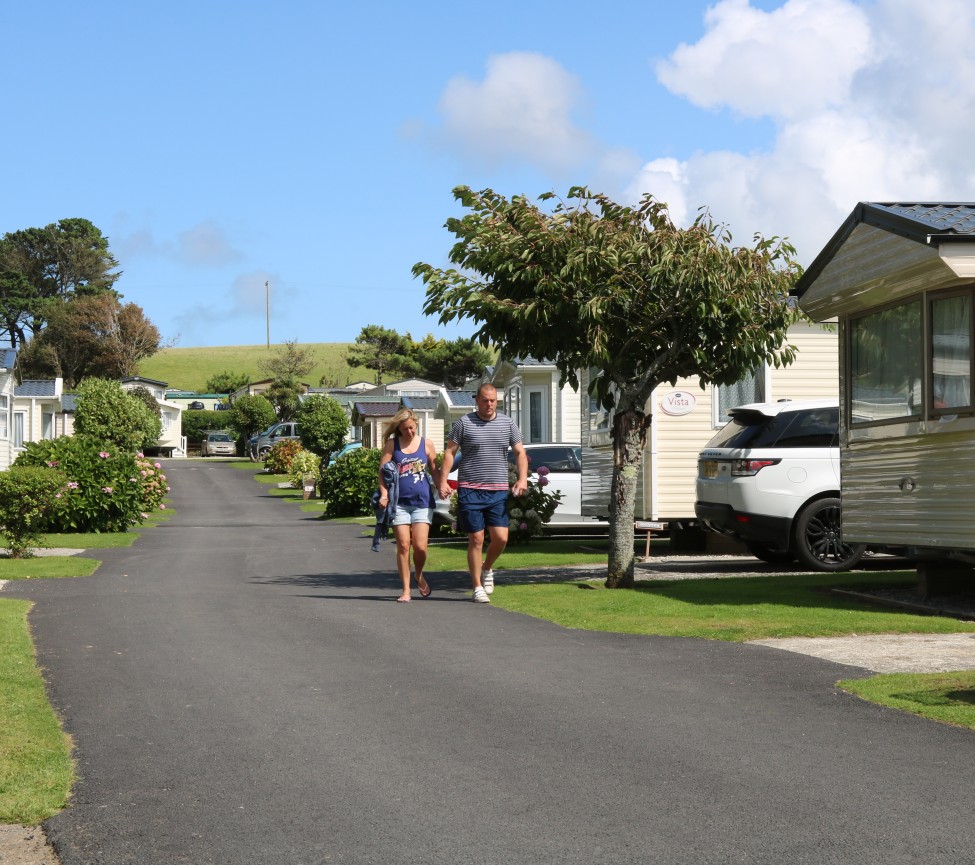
point(414, 486)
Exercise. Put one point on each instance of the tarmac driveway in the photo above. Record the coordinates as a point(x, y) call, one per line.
point(241, 688)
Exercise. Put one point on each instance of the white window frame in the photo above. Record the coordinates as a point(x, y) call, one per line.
point(762, 375)
point(544, 408)
point(4, 416)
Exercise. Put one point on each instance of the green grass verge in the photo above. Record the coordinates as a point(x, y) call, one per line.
point(945, 697)
point(36, 772)
point(734, 608)
point(47, 566)
point(451, 555)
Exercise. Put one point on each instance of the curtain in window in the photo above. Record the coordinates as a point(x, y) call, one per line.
point(951, 361)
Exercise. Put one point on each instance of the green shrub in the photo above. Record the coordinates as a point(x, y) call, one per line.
point(324, 424)
point(27, 495)
point(303, 463)
point(280, 457)
point(106, 413)
point(197, 421)
point(107, 489)
point(348, 484)
point(250, 414)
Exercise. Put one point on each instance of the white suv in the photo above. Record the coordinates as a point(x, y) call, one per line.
point(771, 478)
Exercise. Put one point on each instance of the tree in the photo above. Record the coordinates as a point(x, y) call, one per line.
point(106, 413)
point(383, 350)
point(595, 285)
point(291, 362)
point(251, 414)
point(324, 424)
point(450, 362)
point(285, 396)
point(227, 382)
point(66, 259)
point(91, 336)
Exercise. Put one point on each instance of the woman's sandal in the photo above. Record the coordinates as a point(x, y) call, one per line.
point(403, 600)
point(426, 594)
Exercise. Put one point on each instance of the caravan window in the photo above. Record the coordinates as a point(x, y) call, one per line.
point(885, 364)
point(951, 354)
point(750, 389)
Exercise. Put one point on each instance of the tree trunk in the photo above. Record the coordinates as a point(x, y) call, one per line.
point(629, 439)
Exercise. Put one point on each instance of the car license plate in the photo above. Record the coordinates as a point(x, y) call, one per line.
point(709, 468)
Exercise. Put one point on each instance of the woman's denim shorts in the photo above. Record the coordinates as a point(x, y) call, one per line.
point(407, 515)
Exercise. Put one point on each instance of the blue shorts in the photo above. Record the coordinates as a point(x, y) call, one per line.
point(408, 515)
point(477, 509)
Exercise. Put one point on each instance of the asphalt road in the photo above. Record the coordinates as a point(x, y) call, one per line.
point(241, 688)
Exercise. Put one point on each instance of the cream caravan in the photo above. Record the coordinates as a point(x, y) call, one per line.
point(900, 279)
point(684, 419)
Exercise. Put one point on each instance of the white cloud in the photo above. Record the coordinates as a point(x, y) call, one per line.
point(870, 103)
point(246, 298)
point(798, 58)
point(522, 111)
point(206, 243)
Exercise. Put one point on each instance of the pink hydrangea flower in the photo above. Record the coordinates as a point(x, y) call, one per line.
point(542, 480)
point(104, 454)
point(107, 490)
point(542, 471)
point(158, 465)
point(72, 485)
point(162, 507)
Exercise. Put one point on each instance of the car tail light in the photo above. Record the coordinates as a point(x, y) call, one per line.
point(747, 468)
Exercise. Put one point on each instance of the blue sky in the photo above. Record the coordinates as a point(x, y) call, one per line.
point(313, 146)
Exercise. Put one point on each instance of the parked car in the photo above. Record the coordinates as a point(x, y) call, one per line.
point(260, 445)
point(342, 451)
point(217, 444)
point(771, 479)
point(564, 464)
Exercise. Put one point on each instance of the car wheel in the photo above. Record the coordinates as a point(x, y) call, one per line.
point(262, 454)
point(767, 554)
point(818, 538)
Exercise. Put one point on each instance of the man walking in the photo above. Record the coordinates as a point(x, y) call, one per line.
point(483, 437)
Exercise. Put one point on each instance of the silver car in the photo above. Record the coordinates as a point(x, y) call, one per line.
point(218, 444)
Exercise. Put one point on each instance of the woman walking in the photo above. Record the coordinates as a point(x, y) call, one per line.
point(415, 461)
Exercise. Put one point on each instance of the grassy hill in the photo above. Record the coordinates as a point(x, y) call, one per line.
point(189, 368)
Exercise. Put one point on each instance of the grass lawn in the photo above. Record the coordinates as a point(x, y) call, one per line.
point(946, 697)
point(47, 566)
point(451, 554)
point(36, 772)
point(731, 608)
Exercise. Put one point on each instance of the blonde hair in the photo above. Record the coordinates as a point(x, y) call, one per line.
point(392, 428)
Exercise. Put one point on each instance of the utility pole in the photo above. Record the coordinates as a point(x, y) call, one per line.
point(267, 310)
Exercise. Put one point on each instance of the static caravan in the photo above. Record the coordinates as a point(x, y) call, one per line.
point(900, 279)
point(684, 419)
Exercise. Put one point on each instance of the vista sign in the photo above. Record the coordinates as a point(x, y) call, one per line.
point(678, 402)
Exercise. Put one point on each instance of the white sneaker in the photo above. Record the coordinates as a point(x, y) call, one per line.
point(480, 596)
point(487, 580)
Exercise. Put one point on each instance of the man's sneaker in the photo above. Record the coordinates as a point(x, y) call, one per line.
point(480, 596)
point(487, 580)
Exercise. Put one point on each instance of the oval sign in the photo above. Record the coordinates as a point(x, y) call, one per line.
point(678, 402)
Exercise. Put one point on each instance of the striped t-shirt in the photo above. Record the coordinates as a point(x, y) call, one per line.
point(484, 445)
